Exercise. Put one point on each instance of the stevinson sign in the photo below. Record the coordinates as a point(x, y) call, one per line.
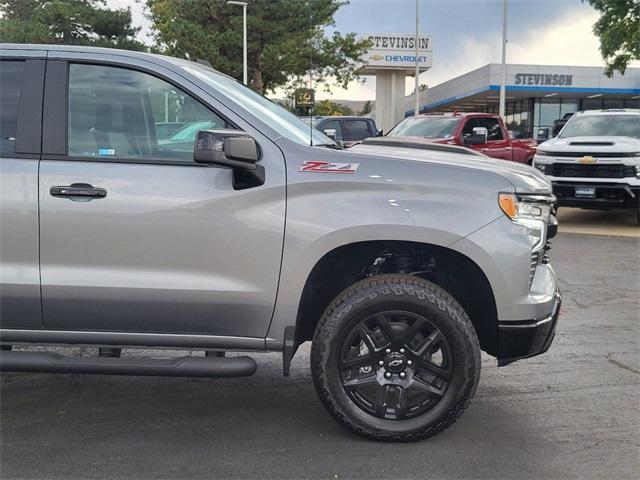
point(397, 52)
point(543, 79)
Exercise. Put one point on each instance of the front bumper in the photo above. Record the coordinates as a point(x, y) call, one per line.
point(527, 338)
point(607, 195)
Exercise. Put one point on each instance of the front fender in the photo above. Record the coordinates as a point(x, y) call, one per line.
point(385, 199)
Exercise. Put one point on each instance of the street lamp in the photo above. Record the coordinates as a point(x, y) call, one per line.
point(244, 37)
point(503, 79)
point(416, 111)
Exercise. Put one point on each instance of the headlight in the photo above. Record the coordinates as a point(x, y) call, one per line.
point(542, 152)
point(529, 211)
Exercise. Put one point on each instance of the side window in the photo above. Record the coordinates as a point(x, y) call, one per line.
point(10, 79)
point(493, 128)
point(120, 113)
point(335, 125)
point(355, 130)
point(469, 125)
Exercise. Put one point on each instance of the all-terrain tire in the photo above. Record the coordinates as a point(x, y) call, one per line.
point(384, 293)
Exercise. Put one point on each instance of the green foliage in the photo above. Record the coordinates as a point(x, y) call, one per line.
point(281, 43)
point(619, 31)
point(69, 22)
point(367, 107)
point(328, 108)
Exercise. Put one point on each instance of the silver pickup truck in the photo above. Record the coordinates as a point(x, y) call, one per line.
point(152, 202)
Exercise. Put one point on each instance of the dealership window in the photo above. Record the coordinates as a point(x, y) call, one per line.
point(591, 103)
point(613, 103)
point(549, 112)
point(568, 105)
point(632, 103)
point(517, 118)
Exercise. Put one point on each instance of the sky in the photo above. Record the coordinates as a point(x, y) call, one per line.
point(465, 34)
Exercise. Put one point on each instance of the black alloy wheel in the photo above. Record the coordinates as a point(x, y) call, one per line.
point(396, 365)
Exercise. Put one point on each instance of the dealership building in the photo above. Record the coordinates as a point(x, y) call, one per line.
point(536, 95)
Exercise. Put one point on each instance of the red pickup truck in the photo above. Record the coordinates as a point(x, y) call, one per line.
point(483, 132)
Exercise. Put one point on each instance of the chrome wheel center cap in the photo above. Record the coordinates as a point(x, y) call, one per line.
point(395, 362)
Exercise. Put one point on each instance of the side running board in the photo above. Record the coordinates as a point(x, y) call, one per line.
point(48, 362)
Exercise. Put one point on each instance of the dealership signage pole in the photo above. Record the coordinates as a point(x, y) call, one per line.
point(503, 81)
point(244, 37)
point(391, 57)
point(417, 81)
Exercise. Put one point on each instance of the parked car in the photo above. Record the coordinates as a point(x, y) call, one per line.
point(594, 162)
point(400, 263)
point(559, 123)
point(346, 129)
point(483, 132)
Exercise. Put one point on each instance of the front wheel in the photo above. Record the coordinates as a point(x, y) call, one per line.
point(395, 358)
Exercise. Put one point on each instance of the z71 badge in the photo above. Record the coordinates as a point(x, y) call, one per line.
point(328, 167)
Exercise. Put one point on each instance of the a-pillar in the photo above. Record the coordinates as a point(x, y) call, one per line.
point(389, 98)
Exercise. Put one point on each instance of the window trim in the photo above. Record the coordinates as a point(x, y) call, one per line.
point(54, 83)
point(28, 131)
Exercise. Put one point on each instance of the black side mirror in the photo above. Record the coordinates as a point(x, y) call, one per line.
point(379, 133)
point(475, 139)
point(234, 149)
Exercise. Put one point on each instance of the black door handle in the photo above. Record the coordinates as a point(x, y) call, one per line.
point(78, 191)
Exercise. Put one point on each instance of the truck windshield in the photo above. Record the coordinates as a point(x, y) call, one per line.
point(276, 117)
point(430, 127)
point(602, 126)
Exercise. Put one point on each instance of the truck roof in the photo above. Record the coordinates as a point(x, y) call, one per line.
point(134, 55)
point(609, 111)
point(456, 114)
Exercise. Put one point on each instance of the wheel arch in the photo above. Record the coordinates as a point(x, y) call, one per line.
point(348, 263)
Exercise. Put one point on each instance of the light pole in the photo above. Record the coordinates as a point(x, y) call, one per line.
point(244, 37)
point(417, 85)
point(503, 80)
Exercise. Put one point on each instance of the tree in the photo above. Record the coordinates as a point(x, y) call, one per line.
point(70, 22)
point(367, 107)
point(327, 108)
point(619, 31)
point(281, 43)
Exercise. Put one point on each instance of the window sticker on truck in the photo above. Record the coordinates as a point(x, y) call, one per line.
point(328, 167)
point(106, 151)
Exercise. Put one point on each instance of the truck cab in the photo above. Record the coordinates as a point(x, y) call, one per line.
point(483, 132)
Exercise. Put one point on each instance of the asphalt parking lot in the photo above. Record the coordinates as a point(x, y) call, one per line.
point(571, 413)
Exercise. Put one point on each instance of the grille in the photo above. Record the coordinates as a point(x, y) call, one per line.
point(592, 154)
point(536, 259)
point(590, 171)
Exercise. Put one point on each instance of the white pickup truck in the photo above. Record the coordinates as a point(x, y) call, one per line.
point(594, 162)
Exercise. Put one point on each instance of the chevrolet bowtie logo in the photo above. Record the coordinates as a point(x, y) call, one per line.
point(376, 57)
point(587, 160)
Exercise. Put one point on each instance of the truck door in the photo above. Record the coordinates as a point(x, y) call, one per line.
point(497, 146)
point(21, 86)
point(135, 236)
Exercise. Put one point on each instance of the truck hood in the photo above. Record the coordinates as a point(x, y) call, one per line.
point(524, 178)
point(592, 144)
